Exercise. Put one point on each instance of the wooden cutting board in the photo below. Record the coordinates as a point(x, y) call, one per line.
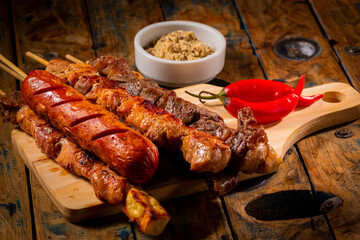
point(75, 197)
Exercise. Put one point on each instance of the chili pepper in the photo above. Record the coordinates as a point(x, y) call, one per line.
point(265, 111)
point(260, 90)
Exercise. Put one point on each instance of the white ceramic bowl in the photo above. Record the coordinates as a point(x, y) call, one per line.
point(172, 73)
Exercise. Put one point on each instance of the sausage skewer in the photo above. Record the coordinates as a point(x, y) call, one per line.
point(250, 149)
point(204, 152)
point(92, 127)
point(107, 184)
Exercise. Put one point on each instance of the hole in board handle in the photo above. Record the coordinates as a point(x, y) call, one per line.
point(333, 97)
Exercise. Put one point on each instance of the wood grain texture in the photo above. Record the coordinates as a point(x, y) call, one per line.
point(50, 29)
point(54, 226)
point(15, 217)
point(204, 218)
point(240, 63)
point(280, 19)
point(290, 176)
point(114, 24)
point(333, 164)
point(272, 20)
point(341, 22)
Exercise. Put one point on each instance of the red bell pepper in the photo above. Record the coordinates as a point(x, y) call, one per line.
point(270, 101)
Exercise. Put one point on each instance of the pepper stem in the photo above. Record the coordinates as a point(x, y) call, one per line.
point(220, 95)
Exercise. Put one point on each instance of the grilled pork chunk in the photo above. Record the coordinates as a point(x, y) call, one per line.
point(204, 152)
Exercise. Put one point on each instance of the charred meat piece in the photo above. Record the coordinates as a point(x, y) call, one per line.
point(241, 144)
point(9, 106)
point(145, 211)
point(92, 127)
point(192, 115)
point(204, 152)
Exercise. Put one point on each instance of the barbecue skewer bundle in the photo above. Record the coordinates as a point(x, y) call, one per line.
point(205, 141)
point(108, 185)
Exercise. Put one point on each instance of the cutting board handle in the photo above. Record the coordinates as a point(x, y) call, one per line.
point(340, 104)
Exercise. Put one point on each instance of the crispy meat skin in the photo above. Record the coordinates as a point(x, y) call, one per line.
point(204, 152)
point(201, 119)
point(107, 184)
point(265, 159)
point(92, 127)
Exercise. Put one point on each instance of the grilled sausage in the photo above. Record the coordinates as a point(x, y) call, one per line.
point(92, 127)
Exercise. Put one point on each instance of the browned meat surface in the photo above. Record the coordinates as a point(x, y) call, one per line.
point(204, 152)
point(249, 146)
point(92, 127)
point(9, 106)
point(107, 184)
point(250, 149)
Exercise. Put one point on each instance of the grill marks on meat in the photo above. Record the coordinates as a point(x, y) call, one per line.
point(247, 143)
point(204, 152)
point(190, 114)
point(250, 149)
point(107, 184)
point(92, 127)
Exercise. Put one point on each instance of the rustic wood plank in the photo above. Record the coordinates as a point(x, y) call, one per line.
point(240, 63)
point(290, 176)
point(15, 216)
point(59, 27)
point(341, 22)
point(280, 19)
point(51, 29)
point(198, 216)
point(54, 226)
point(333, 165)
point(272, 20)
point(114, 24)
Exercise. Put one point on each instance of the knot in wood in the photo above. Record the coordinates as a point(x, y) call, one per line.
point(344, 133)
point(330, 204)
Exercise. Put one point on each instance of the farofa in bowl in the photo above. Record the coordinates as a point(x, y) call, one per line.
point(180, 45)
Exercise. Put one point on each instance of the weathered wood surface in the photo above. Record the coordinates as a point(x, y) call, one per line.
point(333, 164)
point(50, 29)
point(75, 26)
point(269, 21)
point(15, 210)
point(295, 19)
point(345, 13)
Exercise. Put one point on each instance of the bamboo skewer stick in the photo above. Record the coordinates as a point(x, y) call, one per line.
point(12, 72)
point(73, 59)
point(12, 66)
point(37, 58)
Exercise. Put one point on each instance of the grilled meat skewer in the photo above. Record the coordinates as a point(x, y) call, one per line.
point(92, 127)
point(107, 184)
point(242, 140)
point(204, 152)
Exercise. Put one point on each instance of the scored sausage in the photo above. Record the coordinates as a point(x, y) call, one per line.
point(92, 127)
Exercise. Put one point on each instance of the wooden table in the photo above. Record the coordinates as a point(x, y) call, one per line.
point(324, 163)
